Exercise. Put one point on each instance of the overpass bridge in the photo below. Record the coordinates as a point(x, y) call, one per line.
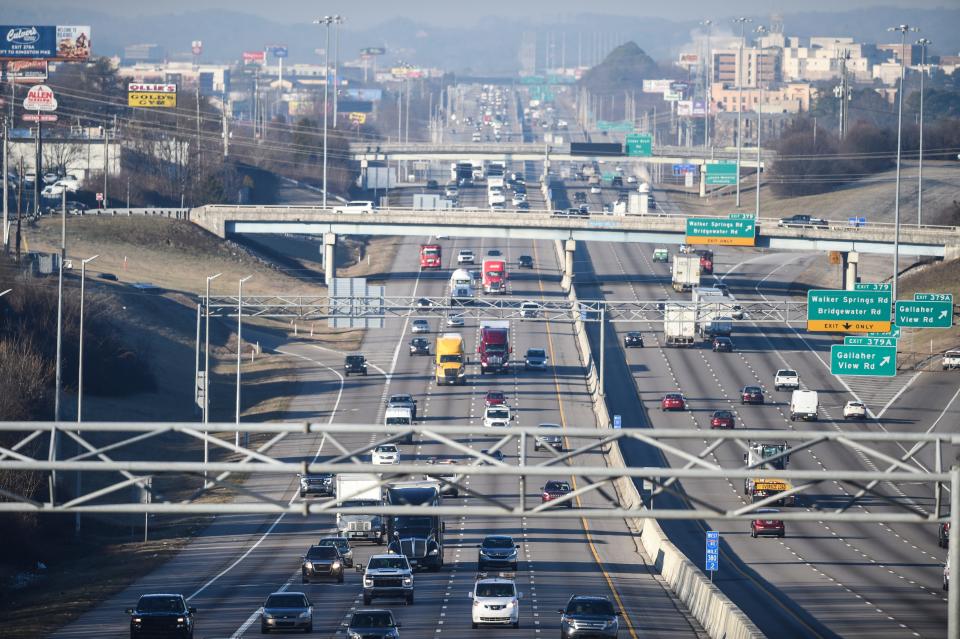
point(532, 151)
point(225, 220)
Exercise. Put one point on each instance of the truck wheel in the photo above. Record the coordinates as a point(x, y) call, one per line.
point(474, 625)
point(340, 578)
point(410, 599)
point(367, 600)
point(793, 417)
point(516, 624)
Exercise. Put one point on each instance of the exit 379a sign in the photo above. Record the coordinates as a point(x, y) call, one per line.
point(927, 310)
point(849, 311)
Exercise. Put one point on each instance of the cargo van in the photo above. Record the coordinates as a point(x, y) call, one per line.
point(399, 416)
point(805, 405)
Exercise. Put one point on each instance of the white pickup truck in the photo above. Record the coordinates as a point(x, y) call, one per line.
point(951, 360)
point(786, 379)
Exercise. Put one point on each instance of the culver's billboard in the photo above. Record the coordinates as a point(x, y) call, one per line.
point(61, 42)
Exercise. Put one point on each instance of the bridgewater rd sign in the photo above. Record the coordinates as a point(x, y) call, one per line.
point(849, 311)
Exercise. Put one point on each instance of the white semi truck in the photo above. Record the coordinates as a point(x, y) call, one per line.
point(686, 272)
point(460, 287)
point(359, 490)
point(679, 324)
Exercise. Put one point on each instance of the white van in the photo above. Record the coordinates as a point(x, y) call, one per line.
point(399, 416)
point(804, 404)
point(355, 206)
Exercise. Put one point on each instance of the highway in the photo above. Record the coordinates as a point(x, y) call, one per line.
point(229, 570)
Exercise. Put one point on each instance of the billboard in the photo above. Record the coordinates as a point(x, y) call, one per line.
point(373, 51)
point(656, 86)
point(254, 57)
point(44, 42)
point(366, 95)
point(689, 59)
point(595, 148)
point(279, 51)
point(151, 95)
point(26, 71)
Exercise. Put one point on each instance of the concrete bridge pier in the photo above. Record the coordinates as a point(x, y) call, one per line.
point(329, 259)
point(569, 247)
point(851, 261)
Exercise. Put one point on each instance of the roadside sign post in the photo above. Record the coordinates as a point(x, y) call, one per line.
point(712, 562)
point(858, 311)
point(863, 361)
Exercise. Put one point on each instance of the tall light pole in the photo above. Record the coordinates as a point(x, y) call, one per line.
point(902, 30)
point(206, 374)
point(326, 21)
point(761, 31)
point(742, 21)
point(708, 66)
point(83, 282)
point(923, 42)
point(63, 256)
point(338, 20)
point(239, 347)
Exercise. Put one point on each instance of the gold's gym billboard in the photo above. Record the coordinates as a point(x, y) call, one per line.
point(151, 95)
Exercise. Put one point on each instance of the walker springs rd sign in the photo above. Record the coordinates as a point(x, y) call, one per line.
point(849, 311)
point(732, 231)
point(151, 95)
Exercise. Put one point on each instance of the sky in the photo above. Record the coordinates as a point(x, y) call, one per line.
point(440, 12)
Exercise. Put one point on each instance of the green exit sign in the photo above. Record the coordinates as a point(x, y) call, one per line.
point(871, 287)
point(720, 172)
point(918, 314)
point(849, 311)
point(719, 230)
point(863, 361)
point(869, 341)
point(639, 144)
point(933, 297)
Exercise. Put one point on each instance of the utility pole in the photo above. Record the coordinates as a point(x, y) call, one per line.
point(742, 22)
point(843, 92)
point(106, 161)
point(336, 69)
point(6, 204)
point(63, 256)
point(760, 30)
point(924, 43)
point(326, 21)
point(708, 77)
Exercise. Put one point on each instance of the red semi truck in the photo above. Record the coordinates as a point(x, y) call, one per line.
point(430, 256)
point(494, 347)
point(494, 276)
point(706, 261)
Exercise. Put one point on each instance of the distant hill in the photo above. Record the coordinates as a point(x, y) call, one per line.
point(625, 68)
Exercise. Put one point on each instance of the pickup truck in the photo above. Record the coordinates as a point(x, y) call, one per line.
point(786, 379)
point(951, 360)
point(356, 364)
point(403, 401)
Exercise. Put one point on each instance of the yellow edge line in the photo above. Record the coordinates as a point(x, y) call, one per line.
point(583, 521)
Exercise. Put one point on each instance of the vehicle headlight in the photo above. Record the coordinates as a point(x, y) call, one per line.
point(434, 551)
point(335, 565)
point(612, 623)
point(180, 619)
point(483, 552)
point(308, 565)
point(267, 615)
point(408, 581)
point(511, 604)
point(305, 615)
point(137, 620)
point(368, 582)
point(355, 635)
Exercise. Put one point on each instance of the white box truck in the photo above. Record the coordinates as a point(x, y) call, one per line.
point(686, 272)
point(359, 490)
point(805, 405)
point(713, 315)
point(679, 324)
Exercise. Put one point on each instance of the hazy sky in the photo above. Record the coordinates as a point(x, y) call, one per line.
point(371, 12)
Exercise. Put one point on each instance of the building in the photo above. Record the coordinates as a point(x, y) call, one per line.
point(793, 97)
point(909, 53)
point(143, 53)
point(727, 68)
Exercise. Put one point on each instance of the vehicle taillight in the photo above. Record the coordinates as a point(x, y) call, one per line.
point(546, 495)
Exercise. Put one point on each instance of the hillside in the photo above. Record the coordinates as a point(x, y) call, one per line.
point(624, 69)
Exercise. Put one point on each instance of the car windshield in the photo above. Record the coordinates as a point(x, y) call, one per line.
point(337, 542)
point(372, 620)
point(751, 389)
point(786, 373)
point(558, 485)
point(354, 359)
point(448, 359)
point(590, 607)
point(380, 563)
point(387, 448)
point(536, 352)
point(286, 600)
point(723, 414)
point(498, 542)
point(673, 396)
point(495, 590)
point(420, 322)
point(398, 421)
point(495, 396)
point(160, 604)
point(498, 414)
point(322, 552)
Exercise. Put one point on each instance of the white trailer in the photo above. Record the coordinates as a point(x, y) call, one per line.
point(679, 324)
point(713, 314)
point(686, 272)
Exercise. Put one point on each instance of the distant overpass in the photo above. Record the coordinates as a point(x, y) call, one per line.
point(224, 220)
point(533, 151)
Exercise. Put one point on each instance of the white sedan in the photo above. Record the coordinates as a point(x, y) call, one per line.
point(465, 256)
point(386, 454)
point(854, 410)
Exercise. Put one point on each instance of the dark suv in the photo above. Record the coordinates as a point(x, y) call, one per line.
point(161, 616)
point(356, 364)
point(322, 561)
point(373, 624)
point(588, 616)
point(633, 339)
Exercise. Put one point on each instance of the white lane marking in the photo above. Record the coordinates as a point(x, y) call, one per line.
point(897, 396)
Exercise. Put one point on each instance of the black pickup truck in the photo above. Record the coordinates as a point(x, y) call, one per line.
point(356, 364)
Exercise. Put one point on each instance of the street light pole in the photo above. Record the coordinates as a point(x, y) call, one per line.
point(761, 30)
point(338, 20)
point(83, 282)
point(206, 373)
point(326, 21)
point(742, 22)
point(708, 65)
point(239, 347)
point(63, 256)
point(902, 30)
point(923, 42)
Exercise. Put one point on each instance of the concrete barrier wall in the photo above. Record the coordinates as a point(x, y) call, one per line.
point(721, 618)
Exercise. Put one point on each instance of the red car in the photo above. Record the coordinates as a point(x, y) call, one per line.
point(765, 526)
point(722, 419)
point(555, 489)
point(751, 395)
point(495, 398)
point(673, 401)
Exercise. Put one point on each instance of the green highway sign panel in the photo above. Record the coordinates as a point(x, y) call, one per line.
point(724, 231)
point(849, 311)
point(623, 125)
point(917, 314)
point(871, 287)
point(933, 297)
point(863, 361)
point(870, 341)
point(721, 173)
point(894, 332)
point(639, 145)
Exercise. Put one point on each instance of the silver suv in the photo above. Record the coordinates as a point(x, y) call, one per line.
point(549, 441)
point(387, 576)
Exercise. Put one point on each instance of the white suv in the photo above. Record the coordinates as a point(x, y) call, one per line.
point(497, 416)
point(854, 410)
point(495, 601)
point(386, 454)
point(465, 256)
point(356, 206)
